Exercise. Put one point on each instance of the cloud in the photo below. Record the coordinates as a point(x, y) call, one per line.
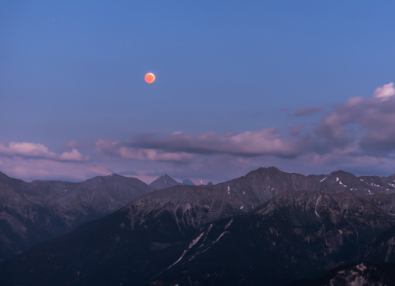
point(153, 155)
point(26, 149)
point(248, 143)
point(44, 169)
point(114, 148)
point(295, 130)
point(74, 155)
point(367, 123)
point(307, 110)
point(38, 150)
point(385, 92)
point(106, 146)
point(357, 135)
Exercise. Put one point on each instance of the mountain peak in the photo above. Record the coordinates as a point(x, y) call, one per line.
point(340, 172)
point(164, 181)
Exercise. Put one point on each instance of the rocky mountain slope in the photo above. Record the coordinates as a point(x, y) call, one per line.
point(31, 212)
point(262, 223)
point(294, 235)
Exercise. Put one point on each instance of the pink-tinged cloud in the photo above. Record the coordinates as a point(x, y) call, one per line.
point(115, 148)
point(153, 155)
point(72, 144)
point(107, 146)
point(74, 155)
point(38, 150)
point(44, 169)
point(295, 130)
point(248, 143)
point(369, 123)
point(385, 92)
point(26, 149)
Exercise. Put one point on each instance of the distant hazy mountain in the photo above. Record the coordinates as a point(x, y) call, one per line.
point(163, 182)
point(210, 183)
point(187, 182)
point(31, 212)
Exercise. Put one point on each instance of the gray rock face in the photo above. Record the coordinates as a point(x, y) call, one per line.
point(35, 211)
point(163, 182)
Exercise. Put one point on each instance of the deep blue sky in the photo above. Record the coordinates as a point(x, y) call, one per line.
point(72, 73)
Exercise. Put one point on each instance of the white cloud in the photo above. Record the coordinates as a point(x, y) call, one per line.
point(385, 92)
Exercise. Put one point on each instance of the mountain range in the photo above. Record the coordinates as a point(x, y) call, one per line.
point(265, 228)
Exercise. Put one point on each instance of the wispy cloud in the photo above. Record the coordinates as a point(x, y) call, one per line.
point(307, 110)
point(122, 149)
point(44, 169)
point(38, 150)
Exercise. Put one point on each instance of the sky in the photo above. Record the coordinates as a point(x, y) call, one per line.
point(306, 86)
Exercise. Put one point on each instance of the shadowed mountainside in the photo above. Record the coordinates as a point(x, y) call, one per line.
point(184, 234)
point(31, 212)
point(294, 235)
point(369, 274)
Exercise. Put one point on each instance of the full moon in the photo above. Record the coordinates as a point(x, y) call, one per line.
point(149, 77)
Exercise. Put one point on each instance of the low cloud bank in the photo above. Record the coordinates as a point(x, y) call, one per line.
point(357, 135)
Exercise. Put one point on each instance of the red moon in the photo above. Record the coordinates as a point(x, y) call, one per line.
point(149, 77)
